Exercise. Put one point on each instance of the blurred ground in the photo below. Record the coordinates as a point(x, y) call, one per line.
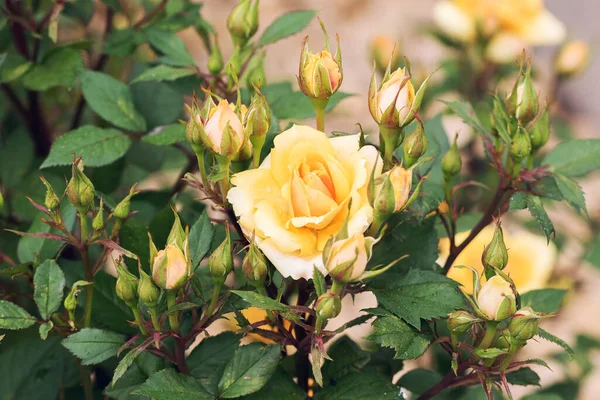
point(356, 22)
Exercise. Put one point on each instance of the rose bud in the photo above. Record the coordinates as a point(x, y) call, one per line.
point(220, 262)
point(196, 123)
point(347, 259)
point(215, 60)
point(415, 146)
point(328, 306)
point(255, 77)
point(504, 340)
point(495, 254)
point(126, 286)
point(393, 105)
point(320, 74)
point(254, 266)
point(242, 23)
point(148, 292)
point(80, 190)
point(461, 321)
point(98, 221)
point(451, 162)
point(524, 324)
point(393, 194)
point(520, 146)
point(51, 201)
point(540, 131)
point(223, 131)
point(496, 299)
point(122, 209)
point(257, 123)
point(522, 103)
point(172, 266)
point(383, 51)
point(572, 58)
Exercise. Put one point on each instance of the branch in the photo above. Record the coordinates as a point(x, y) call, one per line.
point(15, 101)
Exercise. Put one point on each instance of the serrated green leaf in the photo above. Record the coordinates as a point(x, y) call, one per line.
point(419, 295)
point(14, 317)
point(12, 66)
point(60, 67)
point(92, 346)
point(163, 73)
point(249, 370)
point(419, 380)
point(518, 201)
point(364, 386)
point(551, 338)
point(260, 301)
point(168, 384)
point(124, 364)
point(45, 329)
point(465, 111)
point(186, 305)
point(171, 47)
point(201, 238)
point(346, 357)
point(49, 282)
point(523, 377)
point(158, 102)
point(286, 25)
point(281, 386)
point(395, 333)
point(537, 211)
point(319, 282)
point(491, 352)
point(123, 42)
point(571, 192)
point(97, 146)
point(167, 136)
point(574, 158)
point(208, 360)
point(112, 100)
point(543, 300)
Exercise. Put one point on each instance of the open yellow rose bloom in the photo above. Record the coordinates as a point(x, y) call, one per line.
point(300, 196)
point(530, 259)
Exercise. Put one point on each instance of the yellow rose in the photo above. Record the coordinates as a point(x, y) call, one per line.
point(530, 259)
point(382, 49)
point(526, 19)
point(299, 197)
point(572, 58)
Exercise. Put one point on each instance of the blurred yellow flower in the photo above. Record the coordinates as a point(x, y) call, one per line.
point(253, 315)
point(530, 259)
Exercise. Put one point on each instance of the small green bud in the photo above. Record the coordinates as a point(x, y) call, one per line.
point(98, 221)
point(523, 103)
point(255, 76)
point(127, 285)
point(194, 126)
point(122, 209)
point(328, 306)
point(234, 65)
point(80, 190)
point(254, 266)
point(258, 119)
point(215, 60)
point(415, 146)
point(521, 145)
point(495, 254)
point(51, 201)
point(148, 292)
point(220, 262)
point(70, 302)
point(524, 324)
point(504, 340)
point(451, 162)
point(242, 23)
point(171, 267)
point(461, 321)
point(540, 131)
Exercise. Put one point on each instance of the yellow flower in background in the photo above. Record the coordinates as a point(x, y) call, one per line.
point(507, 22)
point(382, 49)
point(299, 197)
point(253, 315)
point(530, 259)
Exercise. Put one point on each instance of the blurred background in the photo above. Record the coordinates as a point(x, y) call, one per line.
point(358, 22)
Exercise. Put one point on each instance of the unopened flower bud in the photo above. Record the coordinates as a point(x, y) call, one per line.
point(98, 221)
point(127, 286)
point(51, 201)
point(328, 306)
point(242, 23)
point(540, 131)
point(393, 194)
point(220, 262)
point(258, 118)
point(255, 76)
point(223, 132)
point(495, 254)
point(122, 209)
point(320, 74)
point(254, 266)
point(522, 102)
point(215, 60)
point(169, 269)
point(148, 292)
point(461, 321)
point(572, 58)
point(520, 146)
point(80, 190)
point(346, 259)
point(70, 302)
point(496, 299)
point(451, 162)
point(415, 146)
point(234, 65)
point(524, 324)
